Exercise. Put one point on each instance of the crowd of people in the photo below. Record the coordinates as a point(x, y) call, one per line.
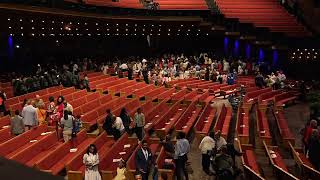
point(217, 155)
point(34, 113)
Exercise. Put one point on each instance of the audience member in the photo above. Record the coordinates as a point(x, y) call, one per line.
point(29, 114)
point(207, 146)
point(66, 123)
point(41, 113)
point(67, 106)
point(91, 162)
point(107, 125)
point(118, 127)
point(2, 103)
point(314, 149)
point(126, 119)
point(220, 141)
point(139, 123)
point(121, 171)
point(182, 149)
point(168, 146)
point(224, 165)
point(308, 132)
point(144, 160)
point(60, 107)
point(51, 106)
point(17, 126)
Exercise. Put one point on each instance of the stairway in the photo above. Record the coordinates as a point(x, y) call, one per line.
point(263, 13)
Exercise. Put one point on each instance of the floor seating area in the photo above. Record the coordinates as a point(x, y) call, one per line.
point(277, 162)
point(228, 90)
point(252, 98)
point(243, 126)
point(263, 127)
point(75, 168)
point(263, 13)
point(205, 121)
point(306, 169)
point(223, 122)
point(282, 99)
point(186, 105)
point(285, 131)
point(266, 98)
point(188, 118)
point(250, 165)
point(55, 161)
point(164, 158)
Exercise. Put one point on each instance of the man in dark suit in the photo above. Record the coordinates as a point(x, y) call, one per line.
point(144, 160)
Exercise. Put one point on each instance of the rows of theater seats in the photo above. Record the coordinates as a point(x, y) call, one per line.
point(182, 5)
point(163, 4)
point(277, 99)
point(186, 105)
point(263, 13)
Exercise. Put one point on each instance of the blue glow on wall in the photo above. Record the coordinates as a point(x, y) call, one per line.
point(10, 47)
point(261, 55)
point(236, 48)
point(226, 41)
point(248, 51)
point(275, 58)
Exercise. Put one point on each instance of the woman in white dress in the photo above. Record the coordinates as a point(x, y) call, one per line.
point(91, 162)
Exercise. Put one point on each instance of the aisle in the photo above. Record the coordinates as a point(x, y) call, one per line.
point(195, 154)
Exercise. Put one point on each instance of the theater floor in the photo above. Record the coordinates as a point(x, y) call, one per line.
point(297, 116)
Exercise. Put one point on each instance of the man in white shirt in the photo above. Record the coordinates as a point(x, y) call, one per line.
point(206, 146)
point(220, 141)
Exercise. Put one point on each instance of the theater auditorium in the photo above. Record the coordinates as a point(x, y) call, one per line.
point(159, 89)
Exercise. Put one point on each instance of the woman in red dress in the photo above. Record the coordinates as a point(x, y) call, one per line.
point(60, 107)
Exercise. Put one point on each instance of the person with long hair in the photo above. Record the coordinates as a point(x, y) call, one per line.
point(66, 123)
point(60, 107)
point(91, 162)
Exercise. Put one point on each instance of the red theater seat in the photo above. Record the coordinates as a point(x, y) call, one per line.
point(188, 118)
point(55, 161)
point(205, 120)
point(223, 121)
point(21, 142)
point(75, 167)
